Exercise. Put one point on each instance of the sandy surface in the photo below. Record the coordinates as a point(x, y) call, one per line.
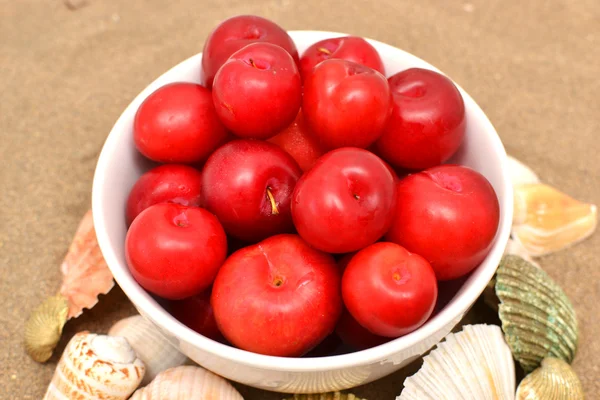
point(66, 74)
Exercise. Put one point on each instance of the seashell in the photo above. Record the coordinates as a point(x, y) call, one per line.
point(516, 248)
point(546, 220)
point(44, 327)
point(157, 353)
point(554, 380)
point(326, 396)
point(85, 273)
point(520, 173)
point(537, 317)
point(474, 364)
point(96, 367)
point(177, 384)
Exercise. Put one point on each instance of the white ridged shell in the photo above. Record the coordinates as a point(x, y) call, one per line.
point(179, 382)
point(520, 173)
point(150, 345)
point(96, 367)
point(474, 364)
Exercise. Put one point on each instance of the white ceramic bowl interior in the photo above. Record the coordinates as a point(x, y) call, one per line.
point(119, 166)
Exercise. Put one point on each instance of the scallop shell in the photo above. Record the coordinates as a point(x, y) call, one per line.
point(150, 345)
point(85, 273)
point(474, 364)
point(326, 396)
point(177, 384)
point(546, 220)
point(554, 380)
point(520, 173)
point(44, 327)
point(537, 317)
point(96, 367)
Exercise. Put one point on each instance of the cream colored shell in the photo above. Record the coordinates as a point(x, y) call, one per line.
point(326, 396)
point(474, 364)
point(187, 383)
point(96, 367)
point(553, 380)
point(150, 345)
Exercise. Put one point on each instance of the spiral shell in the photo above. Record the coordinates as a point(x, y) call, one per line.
point(326, 396)
point(474, 364)
point(553, 380)
point(177, 384)
point(96, 367)
point(150, 345)
point(537, 317)
point(44, 327)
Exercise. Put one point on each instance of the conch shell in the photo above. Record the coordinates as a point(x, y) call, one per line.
point(546, 220)
point(85, 273)
point(150, 345)
point(178, 383)
point(537, 317)
point(326, 396)
point(474, 364)
point(553, 380)
point(96, 367)
point(44, 327)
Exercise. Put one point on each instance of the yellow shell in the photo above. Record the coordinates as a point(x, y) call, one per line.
point(44, 327)
point(179, 382)
point(96, 367)
point(554, 380)
point(537, 317)
point(326, 396)
point(546, 220)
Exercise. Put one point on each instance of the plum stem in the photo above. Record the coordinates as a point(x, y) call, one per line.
point(324, 50)
point(274, 209)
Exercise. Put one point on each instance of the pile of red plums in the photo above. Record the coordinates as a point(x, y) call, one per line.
point(302, 196)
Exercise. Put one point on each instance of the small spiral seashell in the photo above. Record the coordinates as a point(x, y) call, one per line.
point(44, 327)
point(553, 380)
point(157, 353)
point(96, 367)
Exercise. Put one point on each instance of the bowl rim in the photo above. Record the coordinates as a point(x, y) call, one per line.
point(447, 315)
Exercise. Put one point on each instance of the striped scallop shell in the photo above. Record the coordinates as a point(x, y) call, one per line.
point(537, 317)
point(553, 380)
point(44, 328)
point(178, 383)
point(157, 353)
point(96, 367)
point(474, 364)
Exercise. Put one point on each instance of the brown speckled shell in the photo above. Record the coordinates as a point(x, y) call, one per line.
point(84, 375)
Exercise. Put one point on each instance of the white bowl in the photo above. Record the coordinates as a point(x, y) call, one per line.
point(119, 166)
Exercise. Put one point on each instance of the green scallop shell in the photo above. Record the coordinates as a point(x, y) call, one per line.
point(325, 396)
point(537, 317)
